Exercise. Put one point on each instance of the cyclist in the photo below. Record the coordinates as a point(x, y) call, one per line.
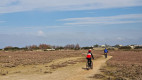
point(89, 57)
point(105, 52)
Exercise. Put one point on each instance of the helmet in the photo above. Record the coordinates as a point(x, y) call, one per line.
point(89, 50)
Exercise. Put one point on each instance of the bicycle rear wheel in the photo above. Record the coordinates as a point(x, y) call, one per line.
point(87, 66)
point(91, 65)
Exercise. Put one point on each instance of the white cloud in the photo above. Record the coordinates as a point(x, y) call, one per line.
point(41, 33)
point(120, 38)
point(119, 19)
point(8, 6)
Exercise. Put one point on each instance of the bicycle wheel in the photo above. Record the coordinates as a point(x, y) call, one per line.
point(105, 55)
point(91, 65)
point(87, 66)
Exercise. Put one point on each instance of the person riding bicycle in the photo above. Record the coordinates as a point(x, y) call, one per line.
point(105, 52)
point(89, 57)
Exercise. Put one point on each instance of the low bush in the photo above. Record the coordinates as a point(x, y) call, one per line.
point(125, 47)
point(138, 47)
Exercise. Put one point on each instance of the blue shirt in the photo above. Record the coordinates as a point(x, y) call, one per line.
point(105, 51)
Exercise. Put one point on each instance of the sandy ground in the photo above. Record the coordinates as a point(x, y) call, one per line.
point(76, 71)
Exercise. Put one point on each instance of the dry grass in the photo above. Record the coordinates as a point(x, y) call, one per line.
point(13, 59)
point(9, 61)
point(124, 65)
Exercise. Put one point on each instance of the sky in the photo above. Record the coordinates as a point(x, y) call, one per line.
point(61, 22)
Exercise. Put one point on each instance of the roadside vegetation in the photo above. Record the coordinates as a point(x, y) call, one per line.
point(43, 47)
point(124, 65)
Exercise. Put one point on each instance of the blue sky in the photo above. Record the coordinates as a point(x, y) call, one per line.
point(61, 22)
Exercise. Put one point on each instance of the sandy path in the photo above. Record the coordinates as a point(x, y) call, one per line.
point(72, 72)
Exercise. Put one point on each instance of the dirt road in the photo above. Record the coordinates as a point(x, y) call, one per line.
point(71, 72)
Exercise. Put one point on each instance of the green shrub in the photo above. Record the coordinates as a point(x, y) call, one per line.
point(125, 47)
point(11, 48)
point(87, 47)
point(110, 49)
point(138, 47)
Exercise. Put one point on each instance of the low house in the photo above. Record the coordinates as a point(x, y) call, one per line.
point(50, 49)
point(102, 46)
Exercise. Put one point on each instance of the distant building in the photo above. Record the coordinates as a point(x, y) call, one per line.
point(50, 49)
point(132, 46)
point(102, 46)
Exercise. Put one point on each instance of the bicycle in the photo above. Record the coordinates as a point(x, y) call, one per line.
point(89, 66)
point(105, 54)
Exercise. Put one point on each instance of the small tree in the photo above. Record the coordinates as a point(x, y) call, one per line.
point(138, 47)
point(70, 46)
point(24, 48)
point(96, 45)
point(125, 47)
point(77, 47)
point(117, 46)
point(87, 47)
point(59, 47)
point(106, 45)
point(44, 46)
point(32, 47)
point(8, 48)
point(11, 48)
